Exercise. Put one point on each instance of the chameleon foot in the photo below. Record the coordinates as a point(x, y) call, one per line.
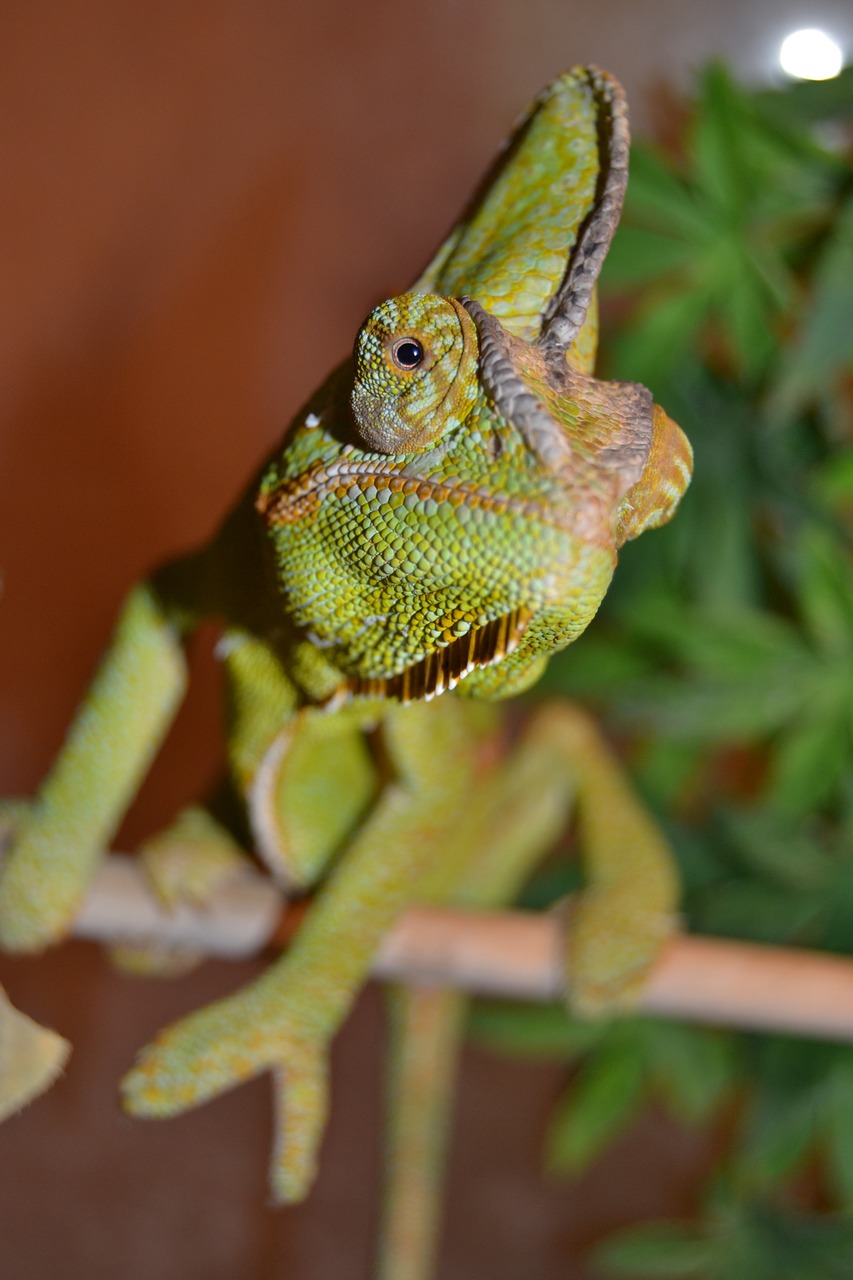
point(613, 945)
point(187, 862)
point(153, 960)
point(192, 858)
point(220, 1047)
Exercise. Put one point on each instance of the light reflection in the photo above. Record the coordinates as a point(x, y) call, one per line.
point(810, 54)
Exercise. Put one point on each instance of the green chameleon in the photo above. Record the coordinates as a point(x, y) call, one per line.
point(443, 515)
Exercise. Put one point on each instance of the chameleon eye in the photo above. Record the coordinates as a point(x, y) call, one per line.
point(407, 353)
point(415, 374)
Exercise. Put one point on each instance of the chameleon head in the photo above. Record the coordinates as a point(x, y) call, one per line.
point(449, 508)
point(463, 525)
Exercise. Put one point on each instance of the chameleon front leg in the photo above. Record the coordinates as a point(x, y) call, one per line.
point(284, 1021)
point(116, 733)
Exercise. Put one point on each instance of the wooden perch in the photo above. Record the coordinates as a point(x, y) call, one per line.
point(507, 953)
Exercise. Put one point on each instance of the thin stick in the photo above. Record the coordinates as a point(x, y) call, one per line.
point(712, 980)
point(508, 953)
point(238, 919)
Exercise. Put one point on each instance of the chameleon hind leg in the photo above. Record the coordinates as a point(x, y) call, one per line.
point(284, 1021)
point(511, 821)
point(621, 920)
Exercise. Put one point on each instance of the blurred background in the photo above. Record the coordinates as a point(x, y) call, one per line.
point(201, 203)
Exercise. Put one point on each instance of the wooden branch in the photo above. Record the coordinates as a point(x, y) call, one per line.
point(509, 953)
point(239, 919)
point(699, 979)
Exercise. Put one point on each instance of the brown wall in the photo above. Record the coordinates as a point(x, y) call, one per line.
point(199, 203)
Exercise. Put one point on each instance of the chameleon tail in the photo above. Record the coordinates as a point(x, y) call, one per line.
point(426, 1026)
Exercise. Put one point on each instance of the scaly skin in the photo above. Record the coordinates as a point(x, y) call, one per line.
point(443, 515)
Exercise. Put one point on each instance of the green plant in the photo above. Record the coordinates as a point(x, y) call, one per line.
point(724, 658)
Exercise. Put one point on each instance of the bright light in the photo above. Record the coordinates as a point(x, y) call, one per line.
point(810, 54)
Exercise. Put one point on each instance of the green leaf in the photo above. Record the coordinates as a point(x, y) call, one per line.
point(808, 762)
point(824, 349)
point(735, 644)
point(533, 1030)
point(597, 1107)
point(595, 666)
point(662, 336)
point(554, 881)
point(701, 861)
point(734, 713)
point(754, 911)
point(778, 1244)
point(833, 480)
point(693, 1069)
point(747, 308)
point(661, 199)
point(825, 590)
point(664, 771)
point(738, 1241)
point(772, 846)
point(639, 255)
point(801, 103)
point(717, 144)
point(834, 924)
point(656, 1250)
point(837, 1127)
point(783, 1124)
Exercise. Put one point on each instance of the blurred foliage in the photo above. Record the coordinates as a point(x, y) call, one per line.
point(723, 660)
point(740, 1240)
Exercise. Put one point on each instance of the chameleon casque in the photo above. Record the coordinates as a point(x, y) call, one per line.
point(443, 515)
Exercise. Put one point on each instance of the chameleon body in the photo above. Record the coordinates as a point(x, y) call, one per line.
point(443, 515)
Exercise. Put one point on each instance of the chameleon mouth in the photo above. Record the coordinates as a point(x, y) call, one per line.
point(442, 669)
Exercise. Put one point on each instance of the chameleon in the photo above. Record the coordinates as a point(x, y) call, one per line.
point(443, 515)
